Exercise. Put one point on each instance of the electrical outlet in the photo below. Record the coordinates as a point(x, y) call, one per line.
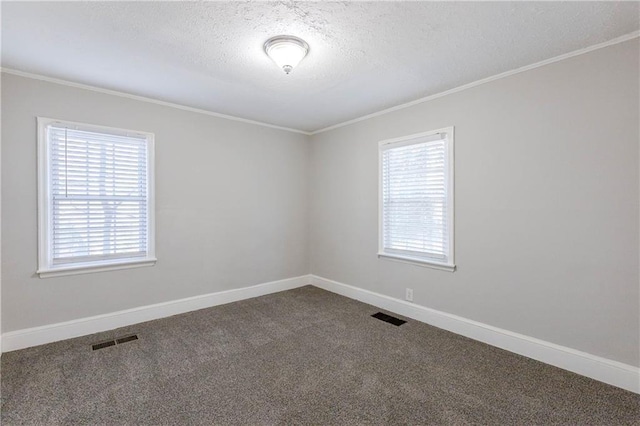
point(409, 295)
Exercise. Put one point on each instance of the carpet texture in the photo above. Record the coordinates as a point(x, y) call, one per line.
point(304, 356)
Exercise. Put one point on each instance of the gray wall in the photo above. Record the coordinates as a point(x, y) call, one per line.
point(546, 204)
point(547, 186)
point(231, 206)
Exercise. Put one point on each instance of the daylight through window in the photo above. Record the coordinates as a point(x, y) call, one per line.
point(96, 189)
point(416, 198)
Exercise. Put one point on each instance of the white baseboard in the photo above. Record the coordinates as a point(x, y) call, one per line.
point(598, 368)
point(21, 339)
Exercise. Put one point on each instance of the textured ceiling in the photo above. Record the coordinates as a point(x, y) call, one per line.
point(365, 56)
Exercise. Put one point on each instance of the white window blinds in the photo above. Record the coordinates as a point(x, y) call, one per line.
point(416, 199)
point(97, 196)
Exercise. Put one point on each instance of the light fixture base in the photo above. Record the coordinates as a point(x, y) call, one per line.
point(286, 51)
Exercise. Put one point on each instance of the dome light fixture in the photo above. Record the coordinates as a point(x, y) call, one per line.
point(286, 51)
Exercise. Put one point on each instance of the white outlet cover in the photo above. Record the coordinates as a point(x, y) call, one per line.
point(409, 295)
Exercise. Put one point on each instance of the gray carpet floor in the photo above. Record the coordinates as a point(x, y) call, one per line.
point(304, 356)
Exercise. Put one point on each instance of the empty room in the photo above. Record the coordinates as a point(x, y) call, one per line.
point(320, 213)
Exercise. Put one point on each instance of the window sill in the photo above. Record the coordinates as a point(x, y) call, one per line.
point(417, 262)
point(95, 267)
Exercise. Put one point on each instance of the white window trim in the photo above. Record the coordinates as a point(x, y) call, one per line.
point(45, 270)
point(408, 140)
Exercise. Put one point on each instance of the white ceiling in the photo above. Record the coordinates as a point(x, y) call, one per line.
point(364, 57)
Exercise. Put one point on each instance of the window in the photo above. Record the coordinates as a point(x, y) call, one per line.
point(416, 199)
point(95, 195)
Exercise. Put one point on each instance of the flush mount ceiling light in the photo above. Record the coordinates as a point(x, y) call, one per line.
point(286, 51)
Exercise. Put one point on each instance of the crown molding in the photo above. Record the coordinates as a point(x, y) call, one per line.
point(146, 99)
point(562, 57)
point(505, 74)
